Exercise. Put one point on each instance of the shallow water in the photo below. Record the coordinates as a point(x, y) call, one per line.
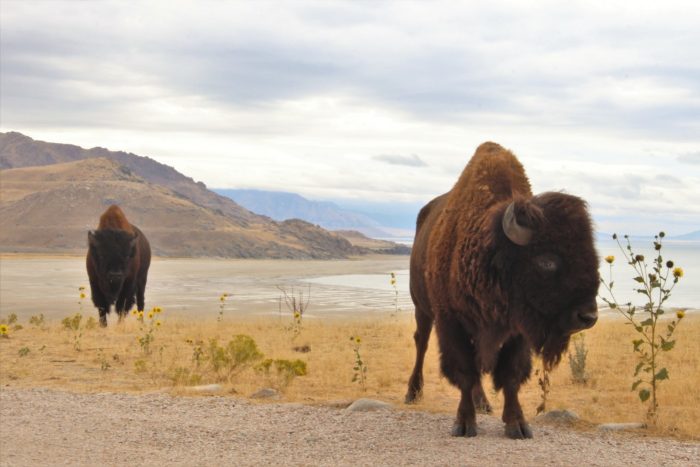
point(686, 294)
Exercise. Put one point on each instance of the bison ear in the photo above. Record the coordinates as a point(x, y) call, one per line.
point(92, 239)
point(520, 221)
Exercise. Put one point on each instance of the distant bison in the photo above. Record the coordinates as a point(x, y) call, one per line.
point(117, 264)
point(501, 273)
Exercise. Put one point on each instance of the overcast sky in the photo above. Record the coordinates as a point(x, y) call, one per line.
point(379, 101)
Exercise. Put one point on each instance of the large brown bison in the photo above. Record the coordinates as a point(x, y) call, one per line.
point(117, 264)
point(502, 273)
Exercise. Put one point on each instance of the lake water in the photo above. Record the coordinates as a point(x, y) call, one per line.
point(686, 255)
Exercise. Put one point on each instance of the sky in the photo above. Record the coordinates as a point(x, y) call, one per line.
point(372, 101)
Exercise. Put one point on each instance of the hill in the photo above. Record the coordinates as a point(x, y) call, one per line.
point(692, 236)
point(51, 194)
point(281, 206)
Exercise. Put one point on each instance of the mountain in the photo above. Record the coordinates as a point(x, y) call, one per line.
point(281, 205)
point(51, 194)
point(693, 236)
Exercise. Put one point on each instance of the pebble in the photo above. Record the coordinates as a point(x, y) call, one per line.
point(365, 405)
point(206, 388)
point(620, 426)
point(558, 416)
point(266, 393)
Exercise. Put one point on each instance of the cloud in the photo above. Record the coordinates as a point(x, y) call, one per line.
point(298, 97)
point(690, 158)
point(410, 161)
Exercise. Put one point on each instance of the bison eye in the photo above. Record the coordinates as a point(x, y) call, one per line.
point(547, 263)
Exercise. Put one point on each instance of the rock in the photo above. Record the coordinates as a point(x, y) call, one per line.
point(558, 416)
point(266, 393)
point(620, 426)
point(206, 388)
point(336, 404)
point(365, 405)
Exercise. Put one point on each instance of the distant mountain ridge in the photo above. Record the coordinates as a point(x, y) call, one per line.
point(695, 235)
point(280, 206)
point(52, 193)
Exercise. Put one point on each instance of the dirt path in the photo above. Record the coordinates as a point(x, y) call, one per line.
point(49, 427)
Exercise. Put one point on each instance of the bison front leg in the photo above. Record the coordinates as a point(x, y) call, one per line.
point(512, 370)
point(457, 362)
point(125, 301)
point(424, 324)
point(100, 302)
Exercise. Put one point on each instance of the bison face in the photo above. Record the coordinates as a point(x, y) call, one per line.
point(552, 267)
point(561, 289)
point(113, 252)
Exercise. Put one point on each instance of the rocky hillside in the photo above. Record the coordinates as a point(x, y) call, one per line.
point(51, 194)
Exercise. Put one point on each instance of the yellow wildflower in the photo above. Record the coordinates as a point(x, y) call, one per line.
point(358, 340)
point(393, 282)
point(140, 314)
point(158, 309)
point(680, 314)
point(133, 312)
point(82, 295)
point(157, 323)
point(677, 272)
point(150, 315)
point(609, 259)
point(4, 330)
point(297, 314)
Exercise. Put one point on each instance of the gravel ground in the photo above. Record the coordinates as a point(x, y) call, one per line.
point(49, 427)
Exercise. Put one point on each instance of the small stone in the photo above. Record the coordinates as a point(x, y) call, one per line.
point(206, 388)
point(559, 416)
point(365, 405)
point(620, 426)
point(266, 393)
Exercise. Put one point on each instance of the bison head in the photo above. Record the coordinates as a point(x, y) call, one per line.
point(112, 252)
point(550, 269)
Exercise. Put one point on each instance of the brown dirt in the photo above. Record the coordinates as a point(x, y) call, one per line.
point(50, 427)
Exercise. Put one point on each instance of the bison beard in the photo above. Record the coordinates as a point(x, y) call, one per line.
point(117, 264)
point(501, 273)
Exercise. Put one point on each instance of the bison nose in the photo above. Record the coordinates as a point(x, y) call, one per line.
point(587, 318)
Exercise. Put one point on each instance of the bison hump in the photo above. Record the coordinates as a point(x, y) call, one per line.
point(114, 219)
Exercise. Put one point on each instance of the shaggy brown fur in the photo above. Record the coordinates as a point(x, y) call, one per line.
point(117, 264)
point(493, 300)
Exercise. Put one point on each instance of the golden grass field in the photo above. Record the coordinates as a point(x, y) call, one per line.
point(112, 360)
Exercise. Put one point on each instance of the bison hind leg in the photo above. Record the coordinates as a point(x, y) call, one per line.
point(424, 324)
point(481, 402)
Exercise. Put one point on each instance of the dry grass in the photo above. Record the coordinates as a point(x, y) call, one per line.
point(387, 347)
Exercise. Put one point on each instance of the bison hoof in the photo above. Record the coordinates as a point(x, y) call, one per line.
point(463, 429)
point(518, 430)
point(412, 397)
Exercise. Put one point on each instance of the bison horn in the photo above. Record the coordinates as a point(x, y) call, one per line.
point(516, 233)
